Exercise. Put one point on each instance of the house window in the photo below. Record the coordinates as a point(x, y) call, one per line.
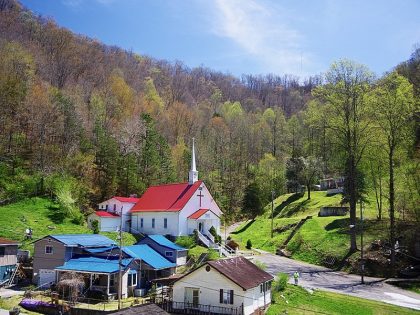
point(141, 222)
point(132, 279)
point(48, 249)
point(115, 207)
point(143, 274)
point(169, 254)
point(111, 280)
point(226, 296)
point(153, 223)
point(165, 223)
point(2, 251)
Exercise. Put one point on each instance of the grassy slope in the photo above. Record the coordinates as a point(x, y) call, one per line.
point(318, 237)
point(36, 213)
point(299, 301)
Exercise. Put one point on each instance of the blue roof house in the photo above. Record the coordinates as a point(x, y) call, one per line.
point(152, 264)
point(54, 250)
point(166, 248)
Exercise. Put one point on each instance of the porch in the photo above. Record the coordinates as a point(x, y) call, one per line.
point(198, 309)
point(202, 221)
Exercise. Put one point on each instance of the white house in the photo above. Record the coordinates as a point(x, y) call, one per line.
point(109, 213)
point(225, 286)
point(177, 209)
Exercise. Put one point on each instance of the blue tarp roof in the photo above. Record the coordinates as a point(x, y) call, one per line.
point(149, 256)
point(86, 240)
point(94, 264)
point(162, 240)
point(97, 250)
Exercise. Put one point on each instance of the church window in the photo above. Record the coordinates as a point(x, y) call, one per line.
point(165, 223)
point(153, 223)
point(141, 222)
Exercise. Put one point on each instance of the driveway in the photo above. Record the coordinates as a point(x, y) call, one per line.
point(316, 277)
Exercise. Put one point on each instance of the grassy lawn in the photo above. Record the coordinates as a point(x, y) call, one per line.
point(319, 238)
point(296, 300)
point(36, 214)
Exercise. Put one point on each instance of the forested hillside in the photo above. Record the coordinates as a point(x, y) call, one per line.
point(82, 121)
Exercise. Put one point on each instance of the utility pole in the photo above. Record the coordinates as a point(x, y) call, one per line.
point(120, 262)
point(362, 269)
point(272, 213)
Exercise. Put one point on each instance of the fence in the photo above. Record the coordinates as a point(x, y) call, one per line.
point(198, 309)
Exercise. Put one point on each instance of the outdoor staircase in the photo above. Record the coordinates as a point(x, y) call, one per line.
point(209, 242)
point(9, 282)
point(280, 249)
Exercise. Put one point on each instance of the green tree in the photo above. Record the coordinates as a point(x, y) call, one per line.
point(251, 204)
point(394, 107)
point(344, 94)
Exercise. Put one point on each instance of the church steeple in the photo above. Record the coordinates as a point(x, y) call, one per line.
point(193, 174)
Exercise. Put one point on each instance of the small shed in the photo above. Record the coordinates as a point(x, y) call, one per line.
point(108, 221)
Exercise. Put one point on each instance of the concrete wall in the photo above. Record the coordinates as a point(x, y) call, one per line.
point(333, 211)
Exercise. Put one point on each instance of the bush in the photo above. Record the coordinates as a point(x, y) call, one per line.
point(260, 265)
point(95, 226)
point(185, 241)
point(213, 254)
point(281, 282)
point(248, 244)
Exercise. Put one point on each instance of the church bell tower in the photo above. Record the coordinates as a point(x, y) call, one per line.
point(193, 174)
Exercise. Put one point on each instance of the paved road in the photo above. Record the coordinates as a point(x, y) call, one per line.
point(316, 277)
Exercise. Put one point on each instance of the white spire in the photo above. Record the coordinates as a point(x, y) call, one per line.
point(193, 174)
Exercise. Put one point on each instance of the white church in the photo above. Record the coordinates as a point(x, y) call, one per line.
point(169, 209)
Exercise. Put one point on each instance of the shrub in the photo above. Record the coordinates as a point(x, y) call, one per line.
point(229, 238)
point(213, 231)
point(185, 241)
point(95, 226)
point(248, 244)
point(281, 283)
point(213, 254)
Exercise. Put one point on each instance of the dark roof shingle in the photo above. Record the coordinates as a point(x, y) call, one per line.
point(241, 271)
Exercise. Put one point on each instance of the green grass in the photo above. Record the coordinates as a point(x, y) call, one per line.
point(299, 301)
point(37, 214)
point(319, 238)
point(259, 232)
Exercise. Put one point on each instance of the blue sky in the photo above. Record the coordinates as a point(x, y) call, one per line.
point(249, 36)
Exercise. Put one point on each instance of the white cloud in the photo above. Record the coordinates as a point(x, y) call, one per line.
point(261, 30)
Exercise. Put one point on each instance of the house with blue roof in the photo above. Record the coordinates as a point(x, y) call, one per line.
point(54, 250)
point(171, 251)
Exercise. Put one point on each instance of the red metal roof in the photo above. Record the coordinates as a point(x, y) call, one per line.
point(106, 214)
point(170, 197)
point(198, 214)
point(127, 199)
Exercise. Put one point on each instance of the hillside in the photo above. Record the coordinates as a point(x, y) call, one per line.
point(38, 214)
point(320, 240)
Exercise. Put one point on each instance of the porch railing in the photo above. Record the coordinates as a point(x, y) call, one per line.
point(198, 309)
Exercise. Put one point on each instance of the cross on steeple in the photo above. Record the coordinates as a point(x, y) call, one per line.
point(200, 194)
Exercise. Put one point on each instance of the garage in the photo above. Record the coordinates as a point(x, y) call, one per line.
point(46, 277)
